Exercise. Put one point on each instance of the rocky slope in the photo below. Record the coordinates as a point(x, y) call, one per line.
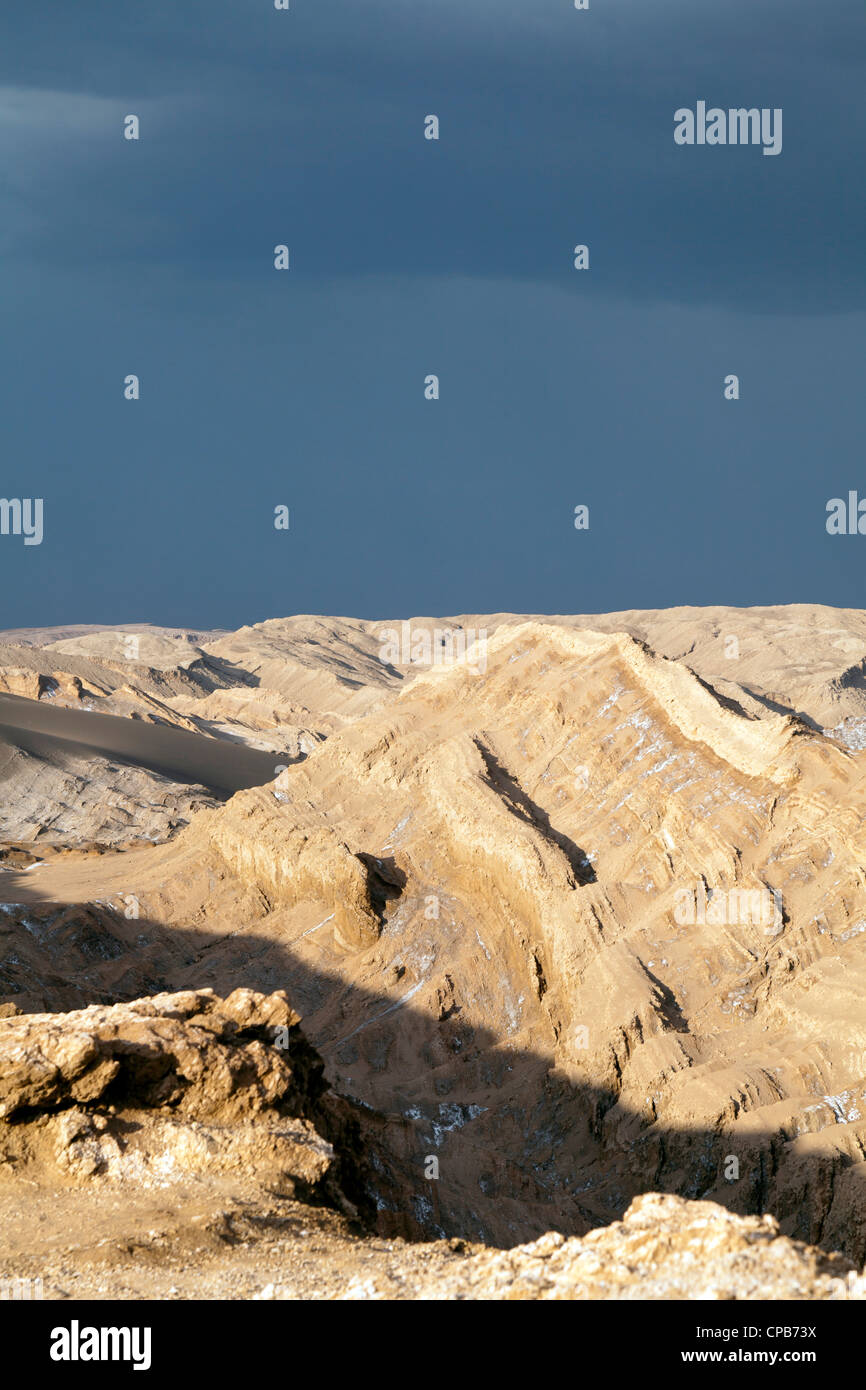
point(574, 916)
point(176, 1146)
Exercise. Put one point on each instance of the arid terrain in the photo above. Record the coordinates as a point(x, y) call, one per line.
point(484, 957)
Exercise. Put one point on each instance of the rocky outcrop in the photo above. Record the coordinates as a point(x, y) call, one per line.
point(165, 1087)
point(664, 1248)
point(296, 861)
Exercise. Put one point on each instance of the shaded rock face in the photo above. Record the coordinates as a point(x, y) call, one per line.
point(178, 1084)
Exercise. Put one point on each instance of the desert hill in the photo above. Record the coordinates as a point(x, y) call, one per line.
point(577, 911)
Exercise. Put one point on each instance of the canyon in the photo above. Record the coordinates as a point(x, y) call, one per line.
point(458, 887)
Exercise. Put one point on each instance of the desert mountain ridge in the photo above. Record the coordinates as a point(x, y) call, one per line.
point(573, 906)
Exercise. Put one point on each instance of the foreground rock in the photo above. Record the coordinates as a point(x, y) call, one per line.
point(163, 1088)
point(665, 1248)
point(187, 1240)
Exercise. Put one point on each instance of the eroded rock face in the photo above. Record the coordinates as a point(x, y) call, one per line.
point(299, 860)
point(184, 1083)
point(571, 996)
point(513, 900)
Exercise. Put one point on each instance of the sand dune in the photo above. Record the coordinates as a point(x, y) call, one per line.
point(42, 729)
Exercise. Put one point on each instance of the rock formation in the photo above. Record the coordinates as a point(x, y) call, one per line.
point(579, 922)
point(172, 1085)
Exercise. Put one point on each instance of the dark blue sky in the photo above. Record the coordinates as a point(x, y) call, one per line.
point(412, 257)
